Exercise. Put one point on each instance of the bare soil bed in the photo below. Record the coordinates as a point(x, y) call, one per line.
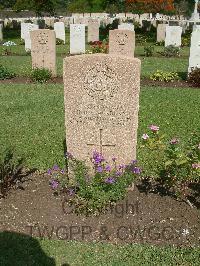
point(140, 218)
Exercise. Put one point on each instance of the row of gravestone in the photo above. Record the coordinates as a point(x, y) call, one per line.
point(170, 34)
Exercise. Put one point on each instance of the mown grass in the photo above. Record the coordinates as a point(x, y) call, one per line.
point(21, 65)
point(18, 250)
point(32, 118)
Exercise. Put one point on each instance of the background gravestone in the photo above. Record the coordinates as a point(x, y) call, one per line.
point(43, 50)
point(126, 26)
point(93, 30)
point(59, 28)
point(161, 31)
point(173, 36)
point(194, 60)
point(122, 42)
point(27, 37)
point(101, 105)
point(1, 32)
point(77, 39)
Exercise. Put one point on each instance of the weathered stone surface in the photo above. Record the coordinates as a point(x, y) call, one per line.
point(173, 36)
point(194, 60)
point(161, 31)
point(77, 39)
point(43, 50)
point(126, 26)
point(59, 28)
point(122, 42)
point(101, 105)
point(27, 37)
point(93, 30)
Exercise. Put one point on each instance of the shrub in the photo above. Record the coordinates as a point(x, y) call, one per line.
point(5, 73)
point(59, 41)
point(40, 75)
point(171, 51)
point(98, 47)
point(164, 76)
point(10, 171)
point(179, 166)
point(194, 77)
point(185, 41)
point(93, 193)
point(149, 50)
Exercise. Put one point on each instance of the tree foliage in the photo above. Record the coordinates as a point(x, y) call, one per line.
point(150, 6)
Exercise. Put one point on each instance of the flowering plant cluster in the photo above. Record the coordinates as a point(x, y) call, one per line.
point(180, 166)
point(90, 191)
point(8, 45)
point(99, 47)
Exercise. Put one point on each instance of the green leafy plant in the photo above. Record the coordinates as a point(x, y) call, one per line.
point(180, 165)
point(171, 51)
point(164, 76)
point(185, 41)
point(5, 73)
point(59, 41)
point(162, 43)
point(149, 50)
point(91, 193)
point(194, 77)
point(10, 172)
point(40, 75)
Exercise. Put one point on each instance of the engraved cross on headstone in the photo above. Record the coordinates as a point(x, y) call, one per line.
point(101, 143)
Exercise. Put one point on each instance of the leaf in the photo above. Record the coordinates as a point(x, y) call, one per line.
point(168, 163)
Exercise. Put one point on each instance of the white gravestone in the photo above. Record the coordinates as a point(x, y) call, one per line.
point(173, 36)
point(27, 36)
point(126, 26)
point(194, 60)
point(59, 28)
point(77, 39)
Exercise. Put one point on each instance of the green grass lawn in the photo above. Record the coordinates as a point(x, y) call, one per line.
point(19, 250)
point(32, 118)
point(21, 65)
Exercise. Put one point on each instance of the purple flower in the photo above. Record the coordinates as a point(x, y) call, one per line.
point(145, 137)
point(137, 170)
point(49, 172)
point(154, 128)
point(55, 167)
point(108, 168)
point(121, 166)
point(97, 157)
point(114, 159)
point(54, 184)
point(71, 192)
point(174, 141)
point(62, 172)
point(110, 180)
point(133, 161)
point(99, 169)
point(196, 165)
point(118, 173)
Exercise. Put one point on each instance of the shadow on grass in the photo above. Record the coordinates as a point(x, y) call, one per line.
point(19, 249)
